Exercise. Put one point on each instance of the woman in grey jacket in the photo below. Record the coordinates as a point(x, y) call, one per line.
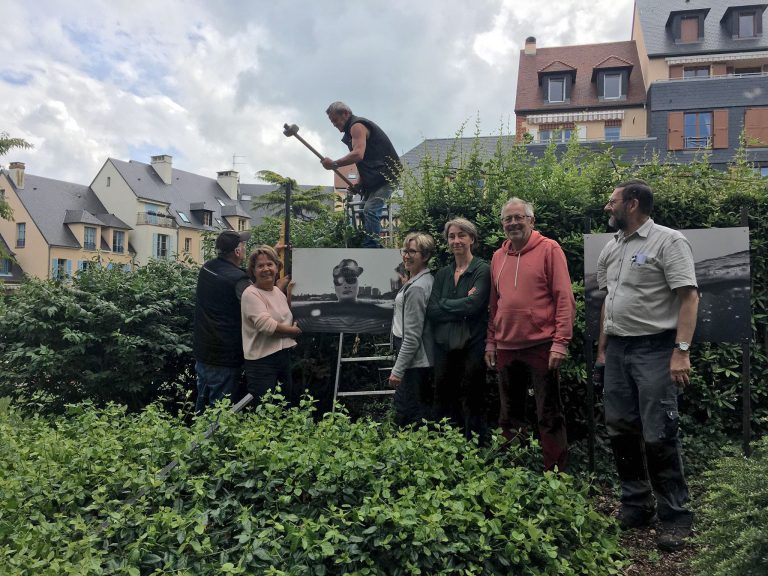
point(412, 373)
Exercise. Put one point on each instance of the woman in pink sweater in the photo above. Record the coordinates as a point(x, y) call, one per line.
point(268, 326)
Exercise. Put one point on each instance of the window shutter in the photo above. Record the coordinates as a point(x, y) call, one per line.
point(675, 131)
point(80, 265)
point(601, 84)
point(69, 267)
point(109, 266)
point(567, 86)
point(624, 83)
point(171, 246)
point(155, 246)
point(676, 27)
point(55, 268)
point(675, 71)
point(720, 129)
point(756, 126)
point(758, 22)
point(719, 69)
point(701, 27)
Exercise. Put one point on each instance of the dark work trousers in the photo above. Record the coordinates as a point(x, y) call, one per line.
point(519, 370)
point(641, 418)
point(461, 390)
point(263, 375)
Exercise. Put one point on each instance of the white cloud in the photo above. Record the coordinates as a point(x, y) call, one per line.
point(99, 78)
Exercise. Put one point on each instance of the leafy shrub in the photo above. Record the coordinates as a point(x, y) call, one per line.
point(108, 335)
point(733, 517)
point(273, 492)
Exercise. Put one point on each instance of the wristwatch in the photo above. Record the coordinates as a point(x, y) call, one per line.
point(682, 346)
point(335, 165)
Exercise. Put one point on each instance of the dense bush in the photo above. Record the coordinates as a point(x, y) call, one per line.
point(275, 493)
point(106, 335)
point(733, 517)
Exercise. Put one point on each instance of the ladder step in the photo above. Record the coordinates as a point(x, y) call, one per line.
point(368, 359)
point(367, 393)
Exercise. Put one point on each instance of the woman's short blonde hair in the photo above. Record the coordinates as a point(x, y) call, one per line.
point(267, 251)
point(424, 243)
point(464, 225)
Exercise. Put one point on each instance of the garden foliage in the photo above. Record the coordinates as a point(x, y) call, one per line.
point(733, 518)
point(105, 335)
point(274, 492)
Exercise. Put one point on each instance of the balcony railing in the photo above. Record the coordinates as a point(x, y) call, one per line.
point(713, 77)
point(89, 246)
point(154, 219)
point(697, 142)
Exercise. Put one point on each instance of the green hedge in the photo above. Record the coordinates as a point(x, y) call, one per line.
point(733, 517)
point(276, 493)
point(104, 335)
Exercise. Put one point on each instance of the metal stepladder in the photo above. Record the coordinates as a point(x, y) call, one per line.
point(342, 360)
point(354, 215)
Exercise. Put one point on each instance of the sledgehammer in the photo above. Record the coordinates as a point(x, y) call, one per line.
point(293, 130)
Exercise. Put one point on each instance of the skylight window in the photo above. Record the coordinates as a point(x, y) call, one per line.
point(183, 217)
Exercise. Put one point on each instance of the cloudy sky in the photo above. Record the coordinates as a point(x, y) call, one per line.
point(208, 81)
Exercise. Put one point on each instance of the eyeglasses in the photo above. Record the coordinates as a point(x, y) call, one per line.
point(345, 279)
point(613, 201)
point(516, 218)
point(409, 252)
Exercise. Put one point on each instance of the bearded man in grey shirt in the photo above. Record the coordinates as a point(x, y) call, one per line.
point(647, 323)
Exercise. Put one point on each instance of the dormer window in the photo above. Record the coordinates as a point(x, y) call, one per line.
point(612, 86)
point(744, 22)
point(556, 89)
point(687, 26)
point(556, 79)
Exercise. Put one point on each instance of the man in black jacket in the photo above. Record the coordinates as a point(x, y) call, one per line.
point(218, 344)
point(377, 163)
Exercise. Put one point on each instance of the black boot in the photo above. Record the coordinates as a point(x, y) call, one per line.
point(637, 504)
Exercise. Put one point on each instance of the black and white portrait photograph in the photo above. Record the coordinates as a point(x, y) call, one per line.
point(721, 256)
point(345, 289)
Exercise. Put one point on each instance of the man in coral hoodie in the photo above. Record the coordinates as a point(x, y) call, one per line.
point(529, 327)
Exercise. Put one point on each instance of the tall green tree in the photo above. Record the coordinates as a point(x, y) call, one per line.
point(6, 145)
point(306, 203)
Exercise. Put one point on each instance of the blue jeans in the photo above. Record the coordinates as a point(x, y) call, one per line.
point(214, 383)
point(372, 212)
point(641, 418)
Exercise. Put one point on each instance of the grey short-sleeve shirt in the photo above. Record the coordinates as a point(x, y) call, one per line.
point(641, 273)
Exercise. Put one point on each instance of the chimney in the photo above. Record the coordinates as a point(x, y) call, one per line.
point(530, 46)
point(163, 165)
point(229, 180)
point(16, 170)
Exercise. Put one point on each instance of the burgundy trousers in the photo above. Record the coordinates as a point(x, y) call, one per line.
point(520, 370)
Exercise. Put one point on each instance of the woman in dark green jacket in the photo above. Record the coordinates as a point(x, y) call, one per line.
point(458, 313)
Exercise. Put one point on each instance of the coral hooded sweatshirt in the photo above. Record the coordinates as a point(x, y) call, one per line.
point(531, 297)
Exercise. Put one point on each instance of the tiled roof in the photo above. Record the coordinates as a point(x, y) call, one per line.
point(584, 59)
point(654, 15)
point(629, 151)
point(81, 217)
point(54, 203)
point(191, 193)
point(185, 193)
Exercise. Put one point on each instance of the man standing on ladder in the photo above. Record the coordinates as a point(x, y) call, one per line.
point(377, 163)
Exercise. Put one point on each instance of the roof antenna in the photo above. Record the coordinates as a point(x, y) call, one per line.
point(234, 160)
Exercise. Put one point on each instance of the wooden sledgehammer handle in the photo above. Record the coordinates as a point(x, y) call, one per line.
point(289, 131)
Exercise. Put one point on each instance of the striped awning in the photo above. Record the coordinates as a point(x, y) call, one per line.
point(592, 116)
